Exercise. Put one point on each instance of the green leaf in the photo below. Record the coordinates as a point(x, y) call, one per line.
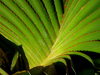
point(36, 4)
point(14, 60)
point(25, 6)
point(59, 10)
point(2, 72)
point(87, 46)
point(82, 55)
point(51, 30)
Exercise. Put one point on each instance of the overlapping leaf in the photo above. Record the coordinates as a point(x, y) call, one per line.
point(46, 33)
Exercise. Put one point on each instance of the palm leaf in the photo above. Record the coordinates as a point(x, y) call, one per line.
point(49, 30)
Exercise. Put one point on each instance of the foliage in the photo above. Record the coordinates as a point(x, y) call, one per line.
point(50, 37)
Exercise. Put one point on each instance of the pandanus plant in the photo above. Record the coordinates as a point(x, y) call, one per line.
point(51, 33)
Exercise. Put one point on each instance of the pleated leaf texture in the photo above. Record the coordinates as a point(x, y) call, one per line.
point(49, 30)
